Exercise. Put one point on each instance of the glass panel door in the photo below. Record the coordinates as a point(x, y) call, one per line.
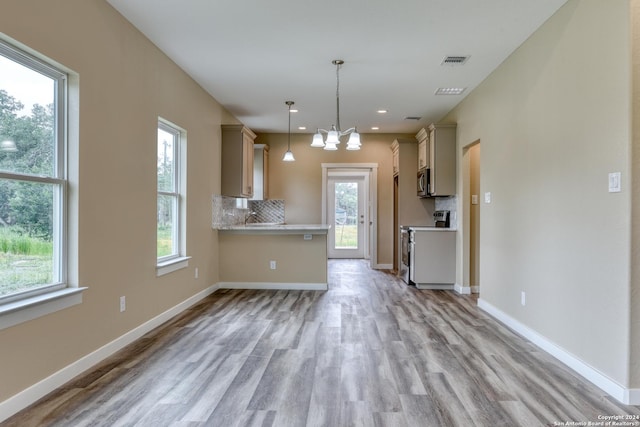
point(346, 216)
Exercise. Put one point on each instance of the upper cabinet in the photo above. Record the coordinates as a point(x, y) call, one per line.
point(423, 149)
point(441, 159)
point(260, 172)
point(395, 149)
point(237, 161)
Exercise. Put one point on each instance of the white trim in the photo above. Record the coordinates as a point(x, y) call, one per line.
point(274, 286)
point(623, 395)
point(373, 201)
point(462, 290)
point(632, 396)
point(30, 395)
point(40, 305)
point(434, 287)
point(172, 265)
point(475, 289)
point(383, 267)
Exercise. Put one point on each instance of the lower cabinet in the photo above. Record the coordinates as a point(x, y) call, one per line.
point(434, 258)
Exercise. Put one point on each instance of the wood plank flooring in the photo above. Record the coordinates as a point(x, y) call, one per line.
point(371, 351)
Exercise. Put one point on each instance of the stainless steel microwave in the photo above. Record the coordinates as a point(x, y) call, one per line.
point(423, 183)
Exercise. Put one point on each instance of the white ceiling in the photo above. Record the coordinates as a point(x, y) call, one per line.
point(253, 55)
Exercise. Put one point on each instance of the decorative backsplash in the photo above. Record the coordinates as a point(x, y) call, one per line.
point(237, 211)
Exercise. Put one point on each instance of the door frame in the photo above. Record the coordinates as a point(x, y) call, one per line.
point(371, 247)
point(466, 219)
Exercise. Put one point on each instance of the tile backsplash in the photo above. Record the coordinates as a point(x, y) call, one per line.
point(237, 211)
point(448, 204)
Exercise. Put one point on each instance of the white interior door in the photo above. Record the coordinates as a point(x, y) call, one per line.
point(347, 215)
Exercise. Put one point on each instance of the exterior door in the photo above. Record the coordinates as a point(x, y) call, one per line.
point(347, 216)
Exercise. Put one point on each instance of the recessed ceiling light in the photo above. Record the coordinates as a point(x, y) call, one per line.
point(302, 128)
point(375, 128)
point(382, 111)
point(294, 111)
point(450, 90)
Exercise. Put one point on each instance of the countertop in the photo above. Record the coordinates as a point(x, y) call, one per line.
point(423, 228)
point(263, 228)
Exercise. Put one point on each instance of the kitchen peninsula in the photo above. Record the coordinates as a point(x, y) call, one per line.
point(273, 256)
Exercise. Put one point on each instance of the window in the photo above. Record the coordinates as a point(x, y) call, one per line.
point(171, 203)
point(33, 177)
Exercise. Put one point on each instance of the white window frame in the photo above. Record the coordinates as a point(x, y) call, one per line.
point(177, 259)
point(23, 306)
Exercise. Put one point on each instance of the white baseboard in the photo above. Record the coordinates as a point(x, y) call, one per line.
point(274, 286)
point(475, 289)
point(383, 267)
point(463, 290)
point(609, 386)
point(434, 287)
point(37, 391)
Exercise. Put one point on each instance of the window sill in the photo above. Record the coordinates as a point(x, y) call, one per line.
point(27, 309)
point(172, 265)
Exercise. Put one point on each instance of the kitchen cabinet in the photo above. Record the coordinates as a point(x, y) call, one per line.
point(433, 258)
point(395, 148)
point(423, 149)
point(237, 161)
point(260, 172)
point(441, 162)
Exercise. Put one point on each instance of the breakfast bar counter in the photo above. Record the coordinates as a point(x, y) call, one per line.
point(267, 228)
point(273, 256)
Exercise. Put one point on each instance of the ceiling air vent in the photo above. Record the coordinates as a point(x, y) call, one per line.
point(450, 90)
point(412, 118)
point(454, 60)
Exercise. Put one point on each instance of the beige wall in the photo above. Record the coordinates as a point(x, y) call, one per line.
point(125, 83)
point(554, 120)
point(634, 333)
point(300, 183)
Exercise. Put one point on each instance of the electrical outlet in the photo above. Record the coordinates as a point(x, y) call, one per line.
point(272, 265)
point(196, 273)
point(123, 304)
point(523, 298)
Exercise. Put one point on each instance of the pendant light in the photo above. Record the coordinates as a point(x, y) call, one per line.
point(334, 135)
point(288, 156)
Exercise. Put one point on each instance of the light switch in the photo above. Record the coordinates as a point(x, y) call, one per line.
point(474, 199)
point(614, 182)
point(487, 197)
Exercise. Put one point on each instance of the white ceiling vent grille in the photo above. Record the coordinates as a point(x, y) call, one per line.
point(454, 60)
point(450, 90)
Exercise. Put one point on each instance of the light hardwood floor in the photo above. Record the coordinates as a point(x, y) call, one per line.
point(371, 351)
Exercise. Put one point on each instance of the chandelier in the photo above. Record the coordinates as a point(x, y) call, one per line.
point(334, 135)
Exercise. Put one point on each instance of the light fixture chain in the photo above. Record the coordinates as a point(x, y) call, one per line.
point(289, 134)
point(338, 128)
